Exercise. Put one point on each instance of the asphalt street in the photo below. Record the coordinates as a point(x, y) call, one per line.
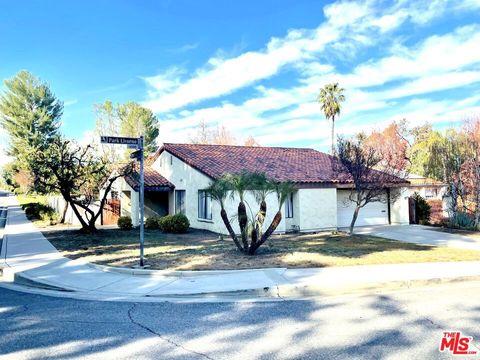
point(398, 325)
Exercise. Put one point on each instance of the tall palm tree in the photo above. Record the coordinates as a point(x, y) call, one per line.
point(329, 98)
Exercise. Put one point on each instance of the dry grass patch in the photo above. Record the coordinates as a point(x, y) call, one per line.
point(202, 250)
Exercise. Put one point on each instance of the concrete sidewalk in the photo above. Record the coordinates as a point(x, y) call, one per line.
point(29, 259)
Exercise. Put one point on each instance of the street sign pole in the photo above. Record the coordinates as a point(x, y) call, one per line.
point(133, 143)
point(141, 193)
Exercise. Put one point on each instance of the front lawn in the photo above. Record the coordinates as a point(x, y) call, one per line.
point(201, 250)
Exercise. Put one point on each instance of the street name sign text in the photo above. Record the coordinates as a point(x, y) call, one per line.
point(118, 140)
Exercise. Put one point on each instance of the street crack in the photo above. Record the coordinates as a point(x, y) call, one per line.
point(168, 340)
point(278, 294)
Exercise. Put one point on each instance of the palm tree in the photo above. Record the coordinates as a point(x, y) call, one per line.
point(219, 190)
point(240, 184)
point(282, 190)
point(251, 231)
point(330, 97)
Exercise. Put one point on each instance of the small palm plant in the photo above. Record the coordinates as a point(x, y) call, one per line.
point(238, 186)
point(219, 191)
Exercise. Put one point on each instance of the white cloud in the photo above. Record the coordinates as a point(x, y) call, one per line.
point(221, 76)
point(436, 54)
point(434, 83)
point(376, 89)
point(184, 48)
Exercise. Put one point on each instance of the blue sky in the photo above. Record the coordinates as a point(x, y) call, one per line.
point(253, 66)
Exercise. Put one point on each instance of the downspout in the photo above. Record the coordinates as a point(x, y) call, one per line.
point(389, 210)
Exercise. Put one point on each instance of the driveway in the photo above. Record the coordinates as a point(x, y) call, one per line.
point(421, 235)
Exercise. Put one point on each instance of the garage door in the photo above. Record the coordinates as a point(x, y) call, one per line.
point(375, 213)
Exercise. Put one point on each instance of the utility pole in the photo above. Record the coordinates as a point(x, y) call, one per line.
point(141, 194)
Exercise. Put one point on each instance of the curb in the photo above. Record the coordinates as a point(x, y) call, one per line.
point(283, 292)
point(175, 273)
point(305, 291)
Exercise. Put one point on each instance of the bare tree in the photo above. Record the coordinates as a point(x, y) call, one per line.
point(360, 165)
point(250, 141)
point(78, 175)
point(217, 135)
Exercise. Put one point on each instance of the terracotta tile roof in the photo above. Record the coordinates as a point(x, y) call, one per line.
point(417, 180)
point(153, 180)
point(298, 165)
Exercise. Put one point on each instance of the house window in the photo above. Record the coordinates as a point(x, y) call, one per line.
point(204, 205)
point(180, 202)
point(289, 206)
point(171, 160)
point(431, 192)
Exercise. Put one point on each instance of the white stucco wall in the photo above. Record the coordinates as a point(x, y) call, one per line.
point(317, 209)
point(422, 190)
point(184, 177)
point(399, 207)
point(129, 206)
point(293, 223)
point(441, 195)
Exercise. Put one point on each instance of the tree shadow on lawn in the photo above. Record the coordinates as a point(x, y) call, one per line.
point(201, 250)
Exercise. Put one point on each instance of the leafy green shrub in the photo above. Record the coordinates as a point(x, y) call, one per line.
point(125, 223)
point(176, 224)
point(422, 209)
point(462, 221)
point(39, 211)
point(152, 222)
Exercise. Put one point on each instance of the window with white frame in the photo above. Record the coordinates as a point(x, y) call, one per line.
point(204, 205)
point(180, 202)
point(289, 206)
point(431, 192)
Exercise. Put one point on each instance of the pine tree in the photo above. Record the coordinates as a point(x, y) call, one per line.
point(30, 113)
point(129, 119)
point(135, 120)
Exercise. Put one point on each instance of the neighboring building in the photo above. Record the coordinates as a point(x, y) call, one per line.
point(426, 187)
point(433, 191)
point(177, 174)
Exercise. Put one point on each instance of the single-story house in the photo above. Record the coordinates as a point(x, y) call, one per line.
point(177, 175)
